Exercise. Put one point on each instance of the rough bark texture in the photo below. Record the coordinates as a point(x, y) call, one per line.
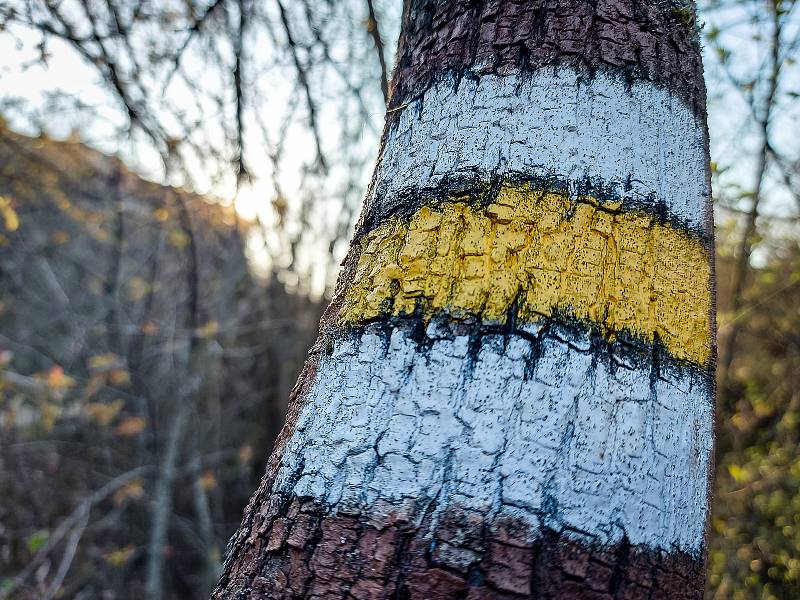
point(516, 402)
point(312, 554)
point(654, 41)
point(616, 142)
point(298, 547)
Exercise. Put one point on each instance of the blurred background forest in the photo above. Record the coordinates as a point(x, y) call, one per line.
point(178, 183)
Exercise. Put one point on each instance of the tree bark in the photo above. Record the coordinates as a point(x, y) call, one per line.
point(512, 391)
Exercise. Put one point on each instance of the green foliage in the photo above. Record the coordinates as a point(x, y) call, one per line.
point(36, 540)
point(755, 527)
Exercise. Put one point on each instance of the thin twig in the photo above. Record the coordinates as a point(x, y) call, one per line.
point(69, 523)
point(748, 235)
point(375, 32)
point(302, 77)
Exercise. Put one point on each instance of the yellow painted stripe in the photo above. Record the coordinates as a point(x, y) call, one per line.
point(620, 270)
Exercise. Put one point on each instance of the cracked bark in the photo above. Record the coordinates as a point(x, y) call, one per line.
point(313, 555)
point(462, 455)
point(634, 39)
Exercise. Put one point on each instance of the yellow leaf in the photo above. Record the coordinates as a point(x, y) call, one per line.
point(740, 421)
point(209, 329)
point(137, 288)
point(178, 238)
point(9, 215)
point(103, 413)
point(58, 380)
point(120, 556)
point(119, 377)
point(11, 219)
point(737, 472)
point(208, 481)
point(161, 214)
point(130, 426)
point(102, 362)
point(133, 489)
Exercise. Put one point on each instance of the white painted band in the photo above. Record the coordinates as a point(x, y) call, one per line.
point(603, 452)
point(638, 138)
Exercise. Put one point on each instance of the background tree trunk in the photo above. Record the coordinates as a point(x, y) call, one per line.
point(512, 393)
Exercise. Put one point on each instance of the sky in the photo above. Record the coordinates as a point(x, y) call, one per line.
point(25, 81)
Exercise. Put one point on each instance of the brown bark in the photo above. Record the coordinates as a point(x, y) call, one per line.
point(296, 550)
point(290, 547)
point(654, 41)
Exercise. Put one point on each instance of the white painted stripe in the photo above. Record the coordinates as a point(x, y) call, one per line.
point(551, 123)
point(388, 426)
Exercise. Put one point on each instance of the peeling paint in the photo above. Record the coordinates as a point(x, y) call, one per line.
point(554, 123)
point(479, 417)
point(635, 40)
point(525, 427)
point(532, 253)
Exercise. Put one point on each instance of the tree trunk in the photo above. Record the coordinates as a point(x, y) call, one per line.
point(512, 394)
